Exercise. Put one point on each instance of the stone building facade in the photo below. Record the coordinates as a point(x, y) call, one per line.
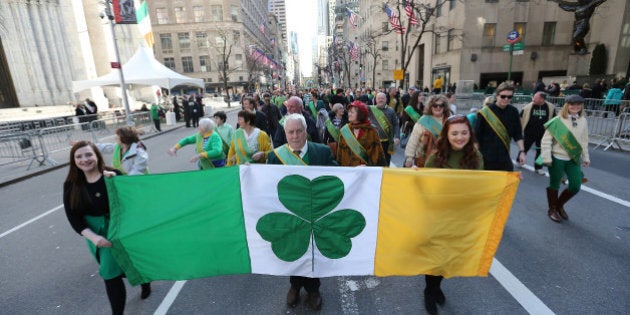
point(465, 41)
point(36, 63)
point(188, 37)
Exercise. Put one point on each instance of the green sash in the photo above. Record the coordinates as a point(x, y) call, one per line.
point(204, 162)
point(565, 138)
point(430, 124)
point(241, 148)
point(382, 120)
point(412, 113)
point(354, 144)
point(311, 106)
point(332, 130)
point(116, 159)
point(496, 125)
point(226, 145)
point(287, 157)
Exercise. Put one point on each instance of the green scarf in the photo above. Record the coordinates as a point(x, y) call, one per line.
point(353, 144)
point(412, 113)
point(203, 162)
point(496, 125)
point(429, 123)
point(241, 148)
point(382, 120)
point(287, 157)
point(332, 130)
point(565, 138)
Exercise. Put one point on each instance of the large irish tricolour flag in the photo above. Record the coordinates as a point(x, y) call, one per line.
point(310, 221)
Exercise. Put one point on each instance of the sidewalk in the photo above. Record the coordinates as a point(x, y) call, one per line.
point(16, 172)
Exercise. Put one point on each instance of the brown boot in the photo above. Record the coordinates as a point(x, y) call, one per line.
point(552, 200)
point(293, 297)
point(564, 197)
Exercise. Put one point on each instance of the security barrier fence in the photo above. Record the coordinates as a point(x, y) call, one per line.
point(37, 145)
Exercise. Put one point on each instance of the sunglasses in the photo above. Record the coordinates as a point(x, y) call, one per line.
point(574, 121)
point(509, 97)
point(437, 105)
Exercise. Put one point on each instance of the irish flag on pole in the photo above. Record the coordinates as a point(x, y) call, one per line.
point(309, 221)
point(144, 23)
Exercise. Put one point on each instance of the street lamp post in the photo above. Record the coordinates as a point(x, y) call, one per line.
point(123, 87)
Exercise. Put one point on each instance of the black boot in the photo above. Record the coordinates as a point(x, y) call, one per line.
point(552, 201)
point(146, 290)
point(564, 197)
point(433, 294)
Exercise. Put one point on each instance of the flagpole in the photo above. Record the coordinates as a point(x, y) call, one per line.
point(123, 87)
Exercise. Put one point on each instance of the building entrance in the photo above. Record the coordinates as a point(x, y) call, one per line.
point(8, 97)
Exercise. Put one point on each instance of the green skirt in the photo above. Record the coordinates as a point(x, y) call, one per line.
point(108, 267)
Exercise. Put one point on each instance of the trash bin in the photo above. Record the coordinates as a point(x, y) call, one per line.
point(170, 118)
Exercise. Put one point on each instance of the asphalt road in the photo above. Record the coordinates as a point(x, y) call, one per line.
point(580, 266)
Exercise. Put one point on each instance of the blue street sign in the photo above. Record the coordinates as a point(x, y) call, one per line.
point(513, 37)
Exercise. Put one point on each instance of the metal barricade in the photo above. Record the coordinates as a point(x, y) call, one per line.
point(18, 147)
point(601, 126)
point(621, 133)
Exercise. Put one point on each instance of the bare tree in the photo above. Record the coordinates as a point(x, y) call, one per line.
point(340, 60)
point(223, 50)
point(254, 67)
point(426, 14)
point(371, 49)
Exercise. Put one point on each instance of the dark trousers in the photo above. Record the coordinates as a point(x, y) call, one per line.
point(156, 122)
point(195, 120)
point(433, 282)
point(528, 141)
point(498, 166)
point(188, 119)
point(311, 285)
point(116, 294)
point(388, 157)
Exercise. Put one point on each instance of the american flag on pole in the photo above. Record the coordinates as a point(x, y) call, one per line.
point(263, 28)
point(394, 21)
point(353, 50)
point(352, 18)
point(410, 13)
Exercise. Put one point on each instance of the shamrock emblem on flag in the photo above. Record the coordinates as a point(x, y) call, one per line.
point(311, 204)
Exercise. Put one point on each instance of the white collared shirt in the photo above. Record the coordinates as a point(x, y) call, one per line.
point(302, 150)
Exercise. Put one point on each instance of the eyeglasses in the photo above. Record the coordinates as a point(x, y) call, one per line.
point(436, 105)
point(509, 97)
point(574, 121)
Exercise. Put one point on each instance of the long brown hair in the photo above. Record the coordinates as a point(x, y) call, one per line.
point(470, 159)
point(434, 99)
point(76, 177)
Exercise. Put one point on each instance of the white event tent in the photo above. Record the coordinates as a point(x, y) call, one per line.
point(141, 69)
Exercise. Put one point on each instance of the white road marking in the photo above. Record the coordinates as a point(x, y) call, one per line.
point(347, 298)
point(169, 298)
point(31, 221)
point(518, 290)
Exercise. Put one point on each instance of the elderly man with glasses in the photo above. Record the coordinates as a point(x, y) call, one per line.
point(496, 124)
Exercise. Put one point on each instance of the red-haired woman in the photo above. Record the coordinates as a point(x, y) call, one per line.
point(359, 143)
